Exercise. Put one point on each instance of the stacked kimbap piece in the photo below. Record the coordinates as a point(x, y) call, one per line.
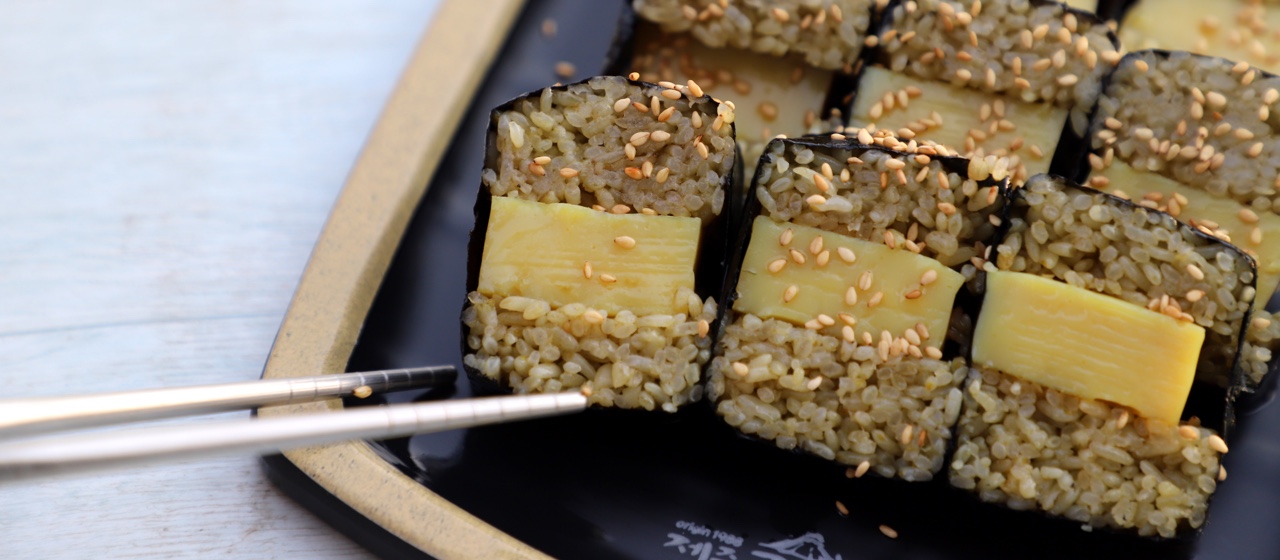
point(993, 79)
point(1195, 136)
point(1242, 30)
point(776, 61)
point(1098, 314)
point(591, 221)
point(844, 330)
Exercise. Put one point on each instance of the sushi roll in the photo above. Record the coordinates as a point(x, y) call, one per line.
point(1193, 136)
point(844, 332)
point(595, 252)
point(998, 78)
point(1084, 354)
point(1240, 30)
point(778, 61)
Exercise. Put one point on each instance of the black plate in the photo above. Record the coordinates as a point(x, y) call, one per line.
point(609, 485)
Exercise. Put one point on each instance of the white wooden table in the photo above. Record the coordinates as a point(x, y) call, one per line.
point(165, 168)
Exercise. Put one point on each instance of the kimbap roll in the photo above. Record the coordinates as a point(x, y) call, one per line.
point(594, 258)
point(844, 332)
point(1084, 355)
point(1001, 78)
point(777, 61)
point(1192, 135)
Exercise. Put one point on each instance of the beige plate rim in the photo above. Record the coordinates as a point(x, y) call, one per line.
point(351, 257)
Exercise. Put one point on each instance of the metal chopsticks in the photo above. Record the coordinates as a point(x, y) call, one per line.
point(61, 453)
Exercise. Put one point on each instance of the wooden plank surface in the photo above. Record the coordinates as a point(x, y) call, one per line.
point(165, 168)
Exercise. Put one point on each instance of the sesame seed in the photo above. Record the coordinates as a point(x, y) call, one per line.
point(821, 183)
point(696, 120)
point(634, 76)
point(815, 246)
point(785, 238)
point(565, 69)
point(1195, 272)
point(1216, 443)
point(542, 160)
point(1222, 473)
point(703, 328)
point(790, 293)
point(702, 148)
point(568, 172)
point(638, 139)
point(875, 300)
point(1216, 100)
point(1255, 150)
point(797, 256)
point(634, 173)
point(851, 296)
point(608, 278)
point(781, 15)
point(823, 258)
point(362, 392)
point(620, 209)
point(593, 317)
point(671, 94)
point(695, 89)
point(826, 320)
point(848, 334)
point(863, 467)
point(624, 241)
point(1188, 432)
point(586, 270)
point(888, 531)
point(929, 277)
point(1194, 295)
point(864, 281)
point(1255, 236)
point(1248, 216)
point(768, 110)
point(914, 294)
point(661, 176)
point(741, 369)
point(537, 169)
point(816, 200)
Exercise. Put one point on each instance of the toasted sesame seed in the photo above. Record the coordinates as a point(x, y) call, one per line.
point(1195, 272)
point(913, 294)
point(863, 467)
point(875, 300)
point(815, 246)
point(695, 89)
point(821, 183)
point(620, 209)
point(741, 369)
point(537, 169)
point(634, 173)
point(661, 175)
point(790, 293)
point(1216, 443)
point(1194, 295)
point(634, 76)
point(568, 172)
